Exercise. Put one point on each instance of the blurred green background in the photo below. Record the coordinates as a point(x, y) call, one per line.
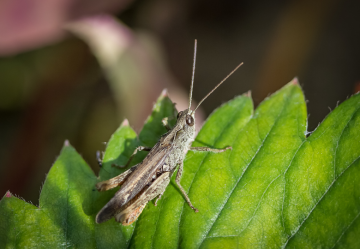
point(70, 69)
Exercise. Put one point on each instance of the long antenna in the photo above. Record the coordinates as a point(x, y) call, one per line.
point(193, 74)
point(218, 85)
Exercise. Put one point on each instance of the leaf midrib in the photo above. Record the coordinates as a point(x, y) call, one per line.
point(236, 184)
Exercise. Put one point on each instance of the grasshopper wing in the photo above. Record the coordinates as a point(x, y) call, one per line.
point(136, 181)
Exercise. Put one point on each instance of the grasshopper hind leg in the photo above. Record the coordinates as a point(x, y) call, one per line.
point(115, 181)
point(128, 213)
point(161, 186)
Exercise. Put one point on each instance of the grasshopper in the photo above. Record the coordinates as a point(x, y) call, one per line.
point(149, 179)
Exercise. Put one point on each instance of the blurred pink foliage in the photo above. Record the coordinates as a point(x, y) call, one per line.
point(134, 64)
point(30, 24)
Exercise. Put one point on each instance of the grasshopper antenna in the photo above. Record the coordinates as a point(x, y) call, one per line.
point(233, 71)
point(193, 74)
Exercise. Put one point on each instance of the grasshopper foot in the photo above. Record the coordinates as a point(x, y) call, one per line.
point(157, 199)
point(118, 166)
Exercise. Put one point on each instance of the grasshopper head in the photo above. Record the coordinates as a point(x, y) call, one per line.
point(186, 120)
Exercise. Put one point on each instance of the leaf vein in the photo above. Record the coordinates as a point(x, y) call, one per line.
point(346, 229)
point(321, 198)
point(335, 178)
point(342, 132)
point(258, 205)
point(282, 206)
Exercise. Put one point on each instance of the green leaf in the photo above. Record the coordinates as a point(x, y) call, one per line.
point(277, 188)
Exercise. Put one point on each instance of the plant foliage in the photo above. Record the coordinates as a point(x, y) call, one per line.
point(277, 188)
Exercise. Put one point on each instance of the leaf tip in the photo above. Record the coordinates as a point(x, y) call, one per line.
point(8, 194)
point(295, 81)
point(248, 94)
point(66, 143)
point(125, 122)
point(164, 93)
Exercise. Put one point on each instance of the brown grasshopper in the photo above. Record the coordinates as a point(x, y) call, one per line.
point(149, 179)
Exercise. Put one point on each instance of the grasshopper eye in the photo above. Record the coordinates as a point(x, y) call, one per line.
point(189, 120)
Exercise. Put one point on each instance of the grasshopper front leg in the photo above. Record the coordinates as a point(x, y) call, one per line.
point(165, 122)
point(98, 158)
point(140, 148)
point(177, 180)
